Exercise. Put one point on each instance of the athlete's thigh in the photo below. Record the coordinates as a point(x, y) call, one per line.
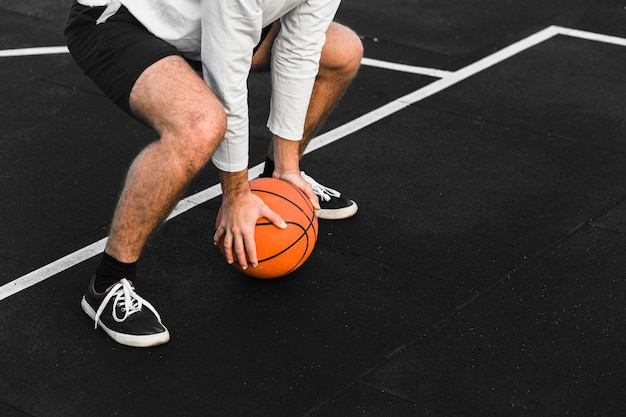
point(171, 97)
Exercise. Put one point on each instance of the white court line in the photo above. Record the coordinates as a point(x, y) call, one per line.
point(432, 72)
point(597, 37)
point(320, 141)
point(49, 50)
point(429, 90)
point(44, 50)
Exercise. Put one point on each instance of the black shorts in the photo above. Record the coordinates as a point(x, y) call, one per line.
point(116, 53)
point(113, 54)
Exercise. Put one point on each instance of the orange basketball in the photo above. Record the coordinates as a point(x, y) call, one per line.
point(281, 251)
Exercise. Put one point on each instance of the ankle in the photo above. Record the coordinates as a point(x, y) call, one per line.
point(110, 271)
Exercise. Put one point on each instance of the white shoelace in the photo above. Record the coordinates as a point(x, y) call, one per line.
point(127, 298)
point(325, 193)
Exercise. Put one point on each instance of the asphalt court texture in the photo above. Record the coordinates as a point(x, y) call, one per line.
point(483, 274)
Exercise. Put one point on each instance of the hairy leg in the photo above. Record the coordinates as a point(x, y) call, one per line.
point(190, 121)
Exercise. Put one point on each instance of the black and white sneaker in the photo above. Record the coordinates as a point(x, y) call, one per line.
point(125, 316)
point(333, 205)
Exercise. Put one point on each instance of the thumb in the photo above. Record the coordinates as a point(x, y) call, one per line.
point(274, 218)
point(315, 202)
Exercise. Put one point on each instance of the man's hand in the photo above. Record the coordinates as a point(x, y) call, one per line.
point(296, 179)
point(240, 211)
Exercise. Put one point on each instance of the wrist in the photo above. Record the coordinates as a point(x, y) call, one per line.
point(234, 185)
point(286, 156)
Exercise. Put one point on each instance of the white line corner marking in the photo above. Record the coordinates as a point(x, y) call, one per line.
point(446, 79)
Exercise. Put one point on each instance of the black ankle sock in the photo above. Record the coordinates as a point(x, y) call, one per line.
point(268, 169)
point(110, 271)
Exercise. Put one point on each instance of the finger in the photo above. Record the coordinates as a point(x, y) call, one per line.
point(240, 253)
point(250, 246)
point(228, 248)
point(308, 191)
point(314, 200)
point(218, 235)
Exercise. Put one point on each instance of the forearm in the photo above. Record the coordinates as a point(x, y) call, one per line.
point(234, 185)
point(286, 155)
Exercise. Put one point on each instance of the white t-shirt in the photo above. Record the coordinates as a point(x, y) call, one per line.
point(223, 34)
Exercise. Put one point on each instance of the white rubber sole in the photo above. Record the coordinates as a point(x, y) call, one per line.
point(128, 339)
point(337, 214)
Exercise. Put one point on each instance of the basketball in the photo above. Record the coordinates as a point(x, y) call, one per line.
point(280, 251)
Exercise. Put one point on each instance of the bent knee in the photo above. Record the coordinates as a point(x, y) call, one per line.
point(209, 123)
point(204, 134)
point(196, 137)
point(343, 50)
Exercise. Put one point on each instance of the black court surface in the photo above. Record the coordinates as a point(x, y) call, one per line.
point(484, 275)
